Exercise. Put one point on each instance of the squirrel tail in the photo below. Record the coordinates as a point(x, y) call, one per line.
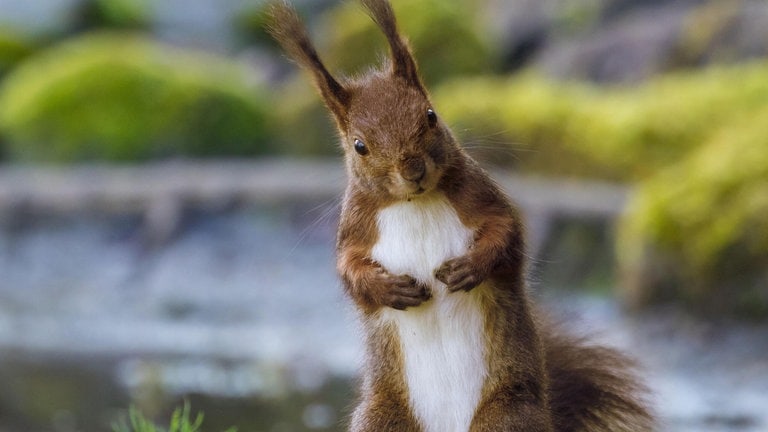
point(593, 388)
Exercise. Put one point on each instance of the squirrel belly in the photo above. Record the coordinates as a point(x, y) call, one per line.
point(442, 341)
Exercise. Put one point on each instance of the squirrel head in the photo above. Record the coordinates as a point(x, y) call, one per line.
point(395, 144)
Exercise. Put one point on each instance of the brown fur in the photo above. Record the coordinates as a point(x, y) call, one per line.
point(537, 380)
point(593, 388)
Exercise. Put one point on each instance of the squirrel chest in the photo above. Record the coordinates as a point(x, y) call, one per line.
point(442, 341)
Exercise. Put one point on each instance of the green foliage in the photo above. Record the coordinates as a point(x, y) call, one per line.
point(181, 421)
point(250, 27)
point(525, 113)
point(698, 232)
point(122, 97)
point(132, 14)
point(616, 133)
point(442, 34)
point(306, 127)
point(13, 49)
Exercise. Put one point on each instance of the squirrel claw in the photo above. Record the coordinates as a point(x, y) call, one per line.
point(403, 291)
point(458, 274)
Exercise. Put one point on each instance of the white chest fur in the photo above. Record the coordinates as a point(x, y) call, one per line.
point(441, 340)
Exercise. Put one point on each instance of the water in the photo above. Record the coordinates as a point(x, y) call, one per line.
point(242, 312)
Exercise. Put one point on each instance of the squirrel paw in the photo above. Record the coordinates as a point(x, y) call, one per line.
point(401, 291)
point(459, 274)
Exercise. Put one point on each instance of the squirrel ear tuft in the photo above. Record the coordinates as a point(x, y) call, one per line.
point(286, 28)
point(403, 63)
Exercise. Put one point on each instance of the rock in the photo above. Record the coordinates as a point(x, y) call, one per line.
point(722, 32)
point(520, 28)
point(625, 40)
point(632, 48)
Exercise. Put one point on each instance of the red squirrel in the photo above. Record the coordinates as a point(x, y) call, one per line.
point(431, 252)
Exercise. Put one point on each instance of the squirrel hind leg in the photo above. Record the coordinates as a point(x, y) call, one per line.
point(594, 388)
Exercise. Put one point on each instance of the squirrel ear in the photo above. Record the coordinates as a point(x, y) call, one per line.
point(403, 63)
point(286, 28)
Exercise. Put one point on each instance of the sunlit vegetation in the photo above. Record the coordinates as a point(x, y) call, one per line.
point(123, 97)
point(619, 133)
point(181, 421)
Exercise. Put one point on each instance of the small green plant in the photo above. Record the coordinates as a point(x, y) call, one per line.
point(181, 421)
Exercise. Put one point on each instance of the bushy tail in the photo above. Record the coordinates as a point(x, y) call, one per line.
point(594, 388)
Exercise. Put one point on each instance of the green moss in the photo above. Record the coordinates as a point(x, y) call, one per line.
point(122, 97)
point(134, 14)
point(621, 133)
point(698, 232)
point(13, 49)
point(525, 113)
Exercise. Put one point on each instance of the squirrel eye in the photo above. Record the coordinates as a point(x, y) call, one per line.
point(431, 117)
point(360, 147)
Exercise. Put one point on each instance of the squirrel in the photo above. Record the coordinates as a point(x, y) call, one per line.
point(431, 253)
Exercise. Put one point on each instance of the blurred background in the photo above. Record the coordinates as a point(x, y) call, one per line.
point(169, 189)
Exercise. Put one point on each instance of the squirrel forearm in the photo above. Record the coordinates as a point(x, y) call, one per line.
point(371, 286)
point(356, 271)
point(497, 244)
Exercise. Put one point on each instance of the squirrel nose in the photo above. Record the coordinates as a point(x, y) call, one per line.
point(413, 169)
